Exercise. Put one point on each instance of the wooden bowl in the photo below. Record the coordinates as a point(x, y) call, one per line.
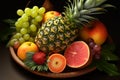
point(66, 74)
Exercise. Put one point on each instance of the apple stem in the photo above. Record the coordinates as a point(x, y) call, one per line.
point(29, 44)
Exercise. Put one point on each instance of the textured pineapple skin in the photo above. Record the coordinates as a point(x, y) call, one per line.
point(55, 35)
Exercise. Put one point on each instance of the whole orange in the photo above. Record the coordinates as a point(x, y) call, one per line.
point(26, 47)
point(96, 30)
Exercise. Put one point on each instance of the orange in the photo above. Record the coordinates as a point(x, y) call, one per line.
point(56, 63)
point(26, 47)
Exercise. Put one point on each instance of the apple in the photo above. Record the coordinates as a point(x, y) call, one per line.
point(96, 30)
point(26, 47)
point(50, 14)
point(16, 45)
point(39, 58)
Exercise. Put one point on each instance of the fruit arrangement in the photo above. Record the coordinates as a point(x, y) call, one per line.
point(52, 41)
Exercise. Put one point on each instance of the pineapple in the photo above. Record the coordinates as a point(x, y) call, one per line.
point(57, 33)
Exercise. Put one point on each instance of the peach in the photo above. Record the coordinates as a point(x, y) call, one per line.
point(96, 30)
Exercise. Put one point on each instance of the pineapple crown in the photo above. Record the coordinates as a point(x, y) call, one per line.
point(80, 12)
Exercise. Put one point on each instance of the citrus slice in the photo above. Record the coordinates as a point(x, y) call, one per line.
point(56, 63)
point(77, 54)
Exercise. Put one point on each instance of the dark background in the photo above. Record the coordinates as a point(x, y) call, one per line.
point(10, 70)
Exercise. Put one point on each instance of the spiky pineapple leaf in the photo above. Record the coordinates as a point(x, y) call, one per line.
point(95, 3)
point(80, 4)
point(84, 12)
point(80, 12)
point(99, 2)
point(107, 6)
point(89, 4)
point(96, 9)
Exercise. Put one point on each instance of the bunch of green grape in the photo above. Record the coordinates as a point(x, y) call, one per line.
point(27, 24)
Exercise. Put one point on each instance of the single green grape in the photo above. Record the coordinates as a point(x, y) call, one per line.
point(35, 8)
point(21, 40)
point(41, 10)
point(39, 18)
point(20, 20)
point(18, 24)
point(33, 28)
point(17, 35)
point(20, 12)
point(34, 14)
point(27, 11)
point(24, 17)
point(25, 24)
point(26, 36)
point(23, 31)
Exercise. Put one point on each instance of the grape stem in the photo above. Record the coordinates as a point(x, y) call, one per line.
point(28, 3)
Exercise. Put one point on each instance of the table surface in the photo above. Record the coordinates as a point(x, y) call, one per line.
point(10, 70)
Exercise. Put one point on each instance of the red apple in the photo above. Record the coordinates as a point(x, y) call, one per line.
point(39, 58)
point(16, 45)
point(96, 30)
point(26, 47)
point(50, 14)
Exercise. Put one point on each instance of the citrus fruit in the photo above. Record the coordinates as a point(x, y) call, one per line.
point(26, 47)
point(56, 63)
point(77, 54)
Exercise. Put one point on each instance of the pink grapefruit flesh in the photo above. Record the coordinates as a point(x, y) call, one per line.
point(77, 54)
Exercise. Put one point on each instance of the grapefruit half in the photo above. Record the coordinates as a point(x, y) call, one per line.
point(77, 54)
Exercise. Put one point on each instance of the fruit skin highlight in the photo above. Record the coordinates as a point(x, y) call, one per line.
point(50, 14)
point(39, 58)
point(77, 54)
point(97, 31)
point(26, 47)
point(56, 63)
